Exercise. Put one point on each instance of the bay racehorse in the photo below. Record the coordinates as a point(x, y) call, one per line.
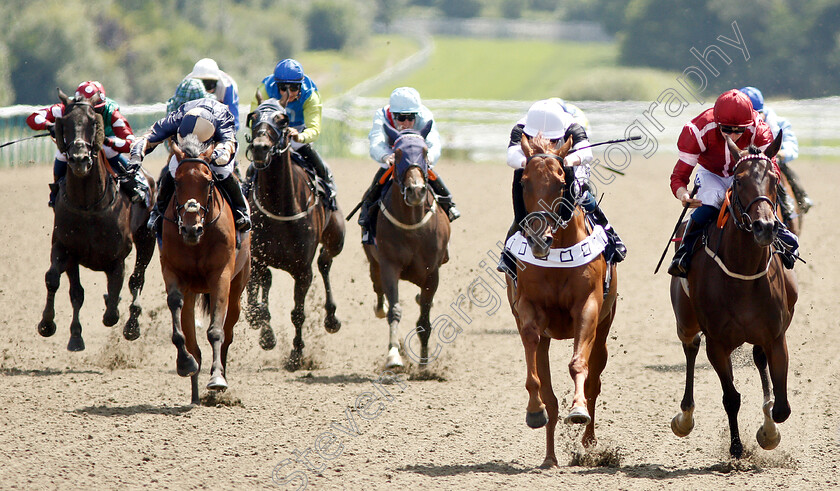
point(560, 291)
point(289, 221)
point(199, 257)
point(737, 292)
point(412, 237)
point(95, 225)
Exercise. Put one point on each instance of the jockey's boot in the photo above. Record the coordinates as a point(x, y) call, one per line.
point(166, 188)
point(238, 204)
point(322, 170)
point(507, 263)
point(444, 198)
point(788, 244)
point(53, 194)
point(615, 251)
point(132, 183)
point(802, 198)
point(368, 201)
point(696, 224)
point(59, 171)
point(786, 204)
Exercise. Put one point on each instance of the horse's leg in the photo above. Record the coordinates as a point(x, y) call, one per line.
point(58, 264)
point(186, 363)
point(550, 400)
point(529, 332)
point(777, 357)
point(302, 282)
point(77, 298)
point(115, 276)
point(376, 279)
point(233, 312)
point(424, 325)
point(331, 323)
point(597, 361)
point(144, 241)
point(768, 435)
point(216, 330)
point(719, 358)
point(333, 240)
point(252, 312)
point(260, 315)
point(683, 422)
point(191, 344)
point(390, 283)
point(585, 323)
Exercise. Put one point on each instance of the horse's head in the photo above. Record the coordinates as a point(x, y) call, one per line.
point(753, 191)
point(193, 187)
point(411, 164)
point(543, 190)
point(269, 124)
point(79, 133)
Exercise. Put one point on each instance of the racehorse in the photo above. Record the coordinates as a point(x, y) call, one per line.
point(412, 236)
point(199, 257)
point(552, 300)
point(737, 292)
point(95, 225)
point(289, 221)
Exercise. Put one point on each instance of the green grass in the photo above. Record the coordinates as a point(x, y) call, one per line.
point(489, 69)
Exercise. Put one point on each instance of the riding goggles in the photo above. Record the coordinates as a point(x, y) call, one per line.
point(289, 87)
point(404, 116)
point(732, 129)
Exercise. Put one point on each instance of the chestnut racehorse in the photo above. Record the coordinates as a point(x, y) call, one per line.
point(290, 221)
point(553, 300)
point(412, 236)
point(199, 256)
point(95, 225)
point(737, 292)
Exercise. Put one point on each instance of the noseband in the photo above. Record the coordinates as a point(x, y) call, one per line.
point(192, 205)
point(553, 218)
point(740, 213)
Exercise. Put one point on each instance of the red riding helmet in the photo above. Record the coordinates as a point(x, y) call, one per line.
point(733, 108)
point(92, 90)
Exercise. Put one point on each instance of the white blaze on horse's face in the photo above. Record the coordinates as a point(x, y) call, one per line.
point(415, 186)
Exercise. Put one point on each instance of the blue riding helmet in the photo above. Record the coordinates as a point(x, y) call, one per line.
point(288, 70)
point(755, 97)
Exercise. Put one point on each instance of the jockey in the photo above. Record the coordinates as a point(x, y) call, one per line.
point(702, 142)
point(788, 153)
point(187, 90)
point(549, 118)
point(212, 122)
point(298, 94)
point(404, 111)
point(118, 139)
point(218, 83)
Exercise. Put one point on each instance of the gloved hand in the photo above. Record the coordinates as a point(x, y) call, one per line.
point(51, 129)
point(138, 150)
point(221, 156)
point(109, 142)
point(389, 160)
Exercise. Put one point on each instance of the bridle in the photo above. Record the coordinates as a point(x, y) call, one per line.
point(423, 166)
point(79, 141)
point(192, 205)
point(739, 212)
point(280, 144)
point(555, 218)
point(89, 156)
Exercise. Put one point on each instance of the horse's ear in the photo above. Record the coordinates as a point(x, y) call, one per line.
point(398, 153)
point(563, 149)
point(59, 134)
point(63, 97)
point(208, 152)
point(259, 97)
point(426, 129)
point(249, 119)
point(526, 146)
point(774, 147)
point(98, 132)
point(392, 133)
point(733, 148)
point(179, 154)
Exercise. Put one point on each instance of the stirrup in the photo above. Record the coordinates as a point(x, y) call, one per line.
point(243, 223)
point(453, 213)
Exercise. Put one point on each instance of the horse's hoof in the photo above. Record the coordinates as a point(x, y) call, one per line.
point(578, 416)
point(46, 328)
point(131, 331)
point(768, 440)
point(332, 324)
point(380, 312)
point(295, 361)
point(537, 419)
point(217, 382)
point(186, 366)
point(394, 358)
point(736, 449)
point(683, 423)
point(267, 339)
point(110, 318)
point(76, 343)
point(548, 463)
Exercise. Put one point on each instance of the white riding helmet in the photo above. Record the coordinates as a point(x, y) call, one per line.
point(205, 69)
point(405, 100)
point(548, 117)
point(197, 121)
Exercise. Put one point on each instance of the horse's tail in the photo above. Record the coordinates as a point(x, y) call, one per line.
point(202, 308)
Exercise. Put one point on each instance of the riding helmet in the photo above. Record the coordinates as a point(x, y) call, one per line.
point(733, 108)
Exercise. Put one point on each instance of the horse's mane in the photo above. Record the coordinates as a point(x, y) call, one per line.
point(541, 144)
point(191, 147)
point(753, 150)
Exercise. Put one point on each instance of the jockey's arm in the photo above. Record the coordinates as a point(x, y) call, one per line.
point(379, 147)
point(311, 118)
point(123, 135)
point(790, 145)
point(43, 118)
point(579, 139)
point(432, 141)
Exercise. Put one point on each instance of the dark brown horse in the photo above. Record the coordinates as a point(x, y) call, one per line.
point(737, 292)
point(95, 225)
point(412, 236)
point(198, 256)
point(289, 222)
point(559, 293)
